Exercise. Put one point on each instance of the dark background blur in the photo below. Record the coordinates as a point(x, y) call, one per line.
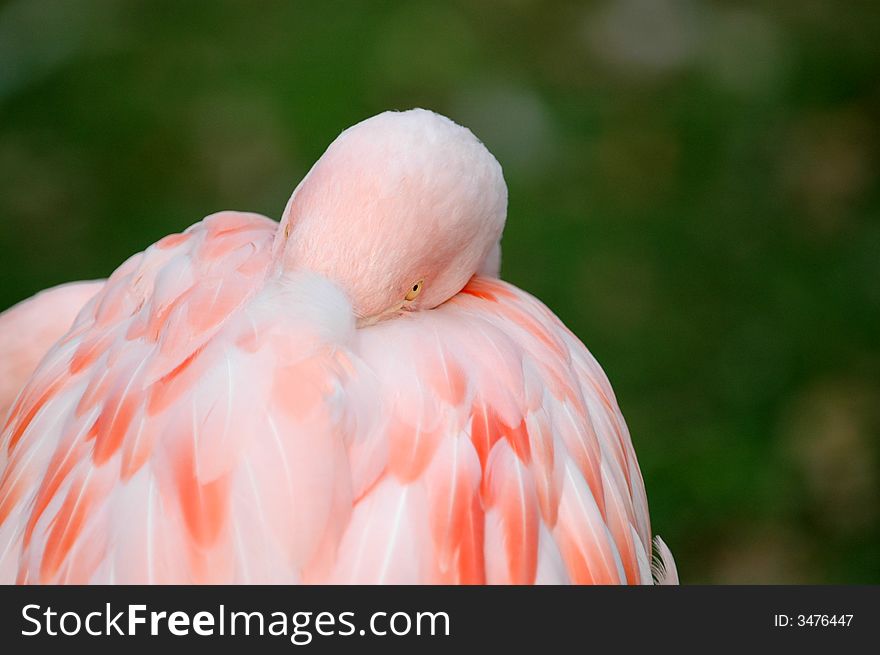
point(693, 189)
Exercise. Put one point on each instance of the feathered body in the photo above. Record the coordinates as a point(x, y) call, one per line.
point(29, 329)
point(248, 402)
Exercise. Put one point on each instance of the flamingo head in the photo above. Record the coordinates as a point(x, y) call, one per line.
point(400, 211)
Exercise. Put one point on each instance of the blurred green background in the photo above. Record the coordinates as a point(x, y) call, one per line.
point(693, 189)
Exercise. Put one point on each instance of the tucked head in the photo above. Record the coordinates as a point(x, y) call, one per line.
point(400, 211)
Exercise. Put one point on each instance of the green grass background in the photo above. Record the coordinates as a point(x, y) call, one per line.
point(693, 190)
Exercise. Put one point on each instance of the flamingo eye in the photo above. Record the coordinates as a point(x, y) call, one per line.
point(414, 290)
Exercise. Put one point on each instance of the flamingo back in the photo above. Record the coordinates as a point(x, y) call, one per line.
point(209, 419)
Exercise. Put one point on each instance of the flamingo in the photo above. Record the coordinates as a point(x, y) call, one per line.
point(349, 395)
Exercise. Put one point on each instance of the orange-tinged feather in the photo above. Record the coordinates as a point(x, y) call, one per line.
point(410, 449)
point(60, 467)
point(450, 381)
point(89, 351)
point(31, 411)
point(11, 491)
point(204, 505)
point(485, 430)
point(168, 390)
point(299, 388)
point(66, 527)
point(453, 483)
point(112, 425)
point(518, 437)
point(172, 241)
point(479, 293)
point(510, 490)
point(137, 449)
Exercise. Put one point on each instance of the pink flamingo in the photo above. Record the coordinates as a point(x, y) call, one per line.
point(351, 395)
